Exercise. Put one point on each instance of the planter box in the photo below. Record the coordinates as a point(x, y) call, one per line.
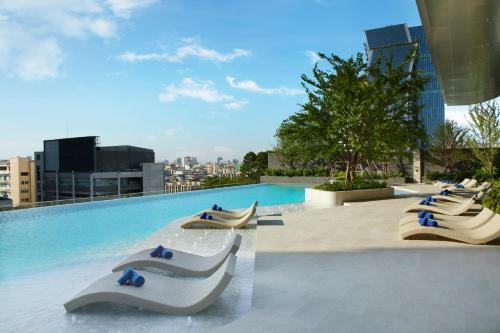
point(292, 180)
point(338, 198)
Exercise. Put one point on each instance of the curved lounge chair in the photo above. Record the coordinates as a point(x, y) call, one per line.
point(220, 223)
point(182, 262)
point(227, 214)
point(456, 223)
point(456, 198)
point(160, 293)
point(471, 189)
point(470, 184)
point(484, 234)
point(456, 209)
point(444, 185)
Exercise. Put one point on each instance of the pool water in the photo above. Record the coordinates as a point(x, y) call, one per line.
point(41, 238)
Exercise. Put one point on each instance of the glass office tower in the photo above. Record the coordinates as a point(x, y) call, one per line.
point(397, 41)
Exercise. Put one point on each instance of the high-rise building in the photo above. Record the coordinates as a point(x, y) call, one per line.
point(77, 168)
point(17, 180)
point(397, 41)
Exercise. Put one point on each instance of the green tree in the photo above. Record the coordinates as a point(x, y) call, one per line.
point(484, 136)
point(254, 165)
point(355, 113)
point(447, 144)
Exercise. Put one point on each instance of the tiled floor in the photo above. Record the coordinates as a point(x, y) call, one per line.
point(345, 269)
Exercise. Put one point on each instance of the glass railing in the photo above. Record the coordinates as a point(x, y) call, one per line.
point(167, 191)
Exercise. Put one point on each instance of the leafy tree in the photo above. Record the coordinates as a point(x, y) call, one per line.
point(254, 165)
point(484, 136)
point(355, 113)
point(447, 143)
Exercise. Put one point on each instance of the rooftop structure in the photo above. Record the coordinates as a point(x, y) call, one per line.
point(78, 167)
point(464, 40)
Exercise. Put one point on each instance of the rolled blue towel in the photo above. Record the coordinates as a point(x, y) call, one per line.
point(432, 223)
point(127, 274)
point(219, 209)
point(210, 217)
point(203, 216)
point(432, 200)
point(156, 251)
point(137, 279)
point(424, 202)
point(421, 213)
point(422, 221)
point(429, 215)
point(214, 207)
point(166, 254)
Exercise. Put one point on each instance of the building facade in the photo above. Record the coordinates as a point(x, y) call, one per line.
point(74, 168)
point(397, 41)
point(18, 180)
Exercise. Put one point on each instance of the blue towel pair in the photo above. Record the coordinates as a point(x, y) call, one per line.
point(430, 199)
point(206, 216)
point(459, 186)
point(131, 277)
point(445, 192)
point(216, 208)
point(424, 213)
point(424, 202)
point(426, 222)
point(160, 251)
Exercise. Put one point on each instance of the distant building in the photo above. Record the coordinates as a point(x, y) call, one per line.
point(4, 179)
point(397, 41)
point(17, 181)
point(186, 161)
point(78, 168)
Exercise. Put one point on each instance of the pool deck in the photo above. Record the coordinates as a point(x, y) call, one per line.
point(345, 269)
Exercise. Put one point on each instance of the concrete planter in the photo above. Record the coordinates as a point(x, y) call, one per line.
point(338, 198)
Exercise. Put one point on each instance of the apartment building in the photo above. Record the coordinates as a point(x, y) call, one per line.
point(17, 180)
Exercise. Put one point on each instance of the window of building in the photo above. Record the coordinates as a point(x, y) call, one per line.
point(24, 174)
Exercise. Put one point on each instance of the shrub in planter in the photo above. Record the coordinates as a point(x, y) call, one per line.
point(492, 199)
point(350, 186)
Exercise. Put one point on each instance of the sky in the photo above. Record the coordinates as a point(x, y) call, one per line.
point(203, 78)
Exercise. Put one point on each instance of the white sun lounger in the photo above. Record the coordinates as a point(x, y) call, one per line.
point(482, 235)
point(455, 209)
point(227, 214)
point(159, 293)
point(444, 185)
point(182, 262)
point(454, 222)
point(457, 198)
point(470, 189)
point(220, 223)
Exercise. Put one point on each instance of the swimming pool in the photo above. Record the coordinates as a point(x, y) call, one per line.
point(40, 238)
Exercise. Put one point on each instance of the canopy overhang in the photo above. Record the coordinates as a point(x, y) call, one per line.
point(464, 41)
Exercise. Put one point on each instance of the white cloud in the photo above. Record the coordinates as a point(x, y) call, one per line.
point(124, 8)
point(103, 28)
point(190, 49)
point(236, 105)
point(457, 113)
point(252, 86)
point(313, 57)
point(27, 56)
point(30, 31)
point(189, 88)
point(202, 90)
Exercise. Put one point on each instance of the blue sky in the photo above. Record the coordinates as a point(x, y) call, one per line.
point(183, 77)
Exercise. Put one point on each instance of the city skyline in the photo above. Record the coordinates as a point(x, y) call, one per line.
point(166, 75)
